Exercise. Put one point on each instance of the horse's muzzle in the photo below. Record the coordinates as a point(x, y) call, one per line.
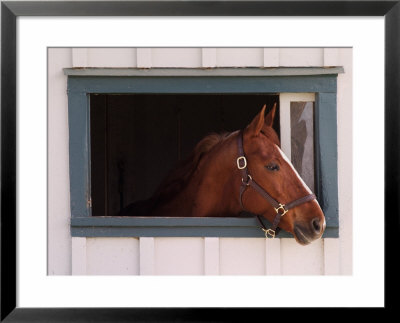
point(305, 234)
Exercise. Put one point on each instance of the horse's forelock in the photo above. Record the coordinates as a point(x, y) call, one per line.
point(270, 133)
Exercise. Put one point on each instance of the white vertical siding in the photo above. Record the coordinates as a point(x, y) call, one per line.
point(147, 256)
point(80, 57)
point(227, 57)
point(176, 57)
point(211, 256)
point(104, 57)
point(59, 239)
point(345, 161)
point(331, 256)
point(301, 57)
point(143, 56)
point(193, 256)
point(302, 260)
point(209, 57)
point(179, 256)
point(271, 57)
point(273, 256)
point(332, 56)
point(242, 256)
point(112, 256)
point(79, 256)
point(111, 57)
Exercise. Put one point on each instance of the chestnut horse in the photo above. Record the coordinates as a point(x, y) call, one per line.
point(232, 172)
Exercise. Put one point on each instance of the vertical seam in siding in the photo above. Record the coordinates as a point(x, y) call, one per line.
point(143, 58)
point(211, 256)
point(209, 57)
point(80, 57)
point(268, 60)
point(146, 256)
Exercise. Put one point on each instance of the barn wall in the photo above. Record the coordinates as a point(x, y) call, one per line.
point(196, 256)
point(59, 238)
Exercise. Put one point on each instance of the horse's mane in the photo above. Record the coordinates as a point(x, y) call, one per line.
point(180, 175)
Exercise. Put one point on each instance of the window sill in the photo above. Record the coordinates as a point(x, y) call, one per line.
point(174, 227)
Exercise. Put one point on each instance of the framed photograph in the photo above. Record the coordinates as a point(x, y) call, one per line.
point(134, 157)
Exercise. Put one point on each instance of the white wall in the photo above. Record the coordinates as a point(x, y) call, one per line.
point(193, 256)
point(59, 238)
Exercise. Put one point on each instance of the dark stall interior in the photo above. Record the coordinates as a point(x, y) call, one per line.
point(137, 139)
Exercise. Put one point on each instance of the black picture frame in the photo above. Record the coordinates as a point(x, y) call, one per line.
point(10, 10)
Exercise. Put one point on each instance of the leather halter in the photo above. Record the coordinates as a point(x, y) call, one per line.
point(247, 180)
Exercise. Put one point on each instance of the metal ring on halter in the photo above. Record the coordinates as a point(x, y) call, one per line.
point(241, 159)
point(249, 178)
point(269, 234)
point(281, 207)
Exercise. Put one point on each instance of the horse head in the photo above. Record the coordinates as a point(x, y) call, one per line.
point(274, 173)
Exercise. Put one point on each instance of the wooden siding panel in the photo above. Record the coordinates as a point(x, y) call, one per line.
point(302, 260)
point(331, 257)
point(211, 256)
point(301, 57)
point(231, 57)
point(112, 256)
point(176, 57)
point(79, 57)
point(111, 57)
point(143, 57)
point(59, 237)
point(147, 256)
point(179, 256)
point(345, 160)
point(271, 57)
point(241, 256)
point(79, 256)
point(209, 57)
point(332, 57)
point(272, 256)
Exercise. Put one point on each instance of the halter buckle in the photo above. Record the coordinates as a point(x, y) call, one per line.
point(241, 158)
point(269, 234)
point(249, 179)
point(281, 207)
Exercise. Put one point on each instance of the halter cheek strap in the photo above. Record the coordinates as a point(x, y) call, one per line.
point(247, 180)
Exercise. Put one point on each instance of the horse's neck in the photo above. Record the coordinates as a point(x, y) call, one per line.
point(211, 190)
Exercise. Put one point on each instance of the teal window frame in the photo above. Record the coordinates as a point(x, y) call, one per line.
point(83, 82)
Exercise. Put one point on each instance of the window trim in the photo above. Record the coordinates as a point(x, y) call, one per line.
point(83, 82)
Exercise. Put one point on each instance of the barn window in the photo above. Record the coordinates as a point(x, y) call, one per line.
point(124, 122)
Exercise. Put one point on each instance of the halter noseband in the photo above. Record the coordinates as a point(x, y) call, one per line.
point(247, 180)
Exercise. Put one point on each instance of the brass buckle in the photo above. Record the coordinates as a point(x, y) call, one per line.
point(281, 207)
point(244, 161)
point(269, 234)
point(249, 178)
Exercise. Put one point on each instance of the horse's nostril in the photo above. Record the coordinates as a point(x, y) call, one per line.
point(316, 224)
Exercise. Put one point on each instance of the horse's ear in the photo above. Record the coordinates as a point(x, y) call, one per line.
point(258, 122)
point(269, 119)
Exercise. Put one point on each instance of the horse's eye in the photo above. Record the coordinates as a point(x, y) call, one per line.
point(272, 167)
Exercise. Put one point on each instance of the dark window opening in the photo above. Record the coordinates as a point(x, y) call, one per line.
point(136, 139)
